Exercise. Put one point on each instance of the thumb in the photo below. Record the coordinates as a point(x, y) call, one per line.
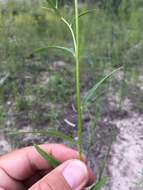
point(71, 175)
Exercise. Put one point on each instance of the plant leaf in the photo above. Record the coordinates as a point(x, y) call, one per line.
point(91, 92)
point(53, 4)
point(50, 132)
point(55, 47)
point(99, 184)
point(52, 161)
point(84, 13)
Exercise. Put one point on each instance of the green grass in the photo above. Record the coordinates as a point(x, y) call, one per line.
point(40, 87)
point(113, 40)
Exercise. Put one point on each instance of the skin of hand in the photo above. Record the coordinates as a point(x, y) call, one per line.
point(25, 169)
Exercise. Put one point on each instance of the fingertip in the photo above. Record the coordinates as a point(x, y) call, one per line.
point(76, 174)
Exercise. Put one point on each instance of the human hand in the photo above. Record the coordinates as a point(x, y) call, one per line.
point(25, 169)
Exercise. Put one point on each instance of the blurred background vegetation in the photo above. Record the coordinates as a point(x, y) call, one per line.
point(38, 90)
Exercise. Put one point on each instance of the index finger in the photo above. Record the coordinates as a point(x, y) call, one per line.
point(23, 163)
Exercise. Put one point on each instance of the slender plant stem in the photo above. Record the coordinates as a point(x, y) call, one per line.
point(79, 111)
point(71, 31)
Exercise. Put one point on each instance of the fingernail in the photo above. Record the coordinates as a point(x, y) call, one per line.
point(75, 174)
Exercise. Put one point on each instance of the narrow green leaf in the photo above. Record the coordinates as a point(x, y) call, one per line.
point(53, 4)
point(84, 13)
point(87, 12)
point(92, 91)
point(49, 132)
point(52, 161)
point(68, 50)
point(99, 184)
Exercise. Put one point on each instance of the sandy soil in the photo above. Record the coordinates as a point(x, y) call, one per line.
point(125, 163)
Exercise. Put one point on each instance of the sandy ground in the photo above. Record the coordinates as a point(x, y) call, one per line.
point(126, 162)
point(125, 165)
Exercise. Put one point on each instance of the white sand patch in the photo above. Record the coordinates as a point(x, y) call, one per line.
point(126, 164)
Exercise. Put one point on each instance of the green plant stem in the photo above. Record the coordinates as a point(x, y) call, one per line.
point(71, 31)
point(79, 111)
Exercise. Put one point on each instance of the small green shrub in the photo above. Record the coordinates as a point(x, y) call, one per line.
point(23, 103)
